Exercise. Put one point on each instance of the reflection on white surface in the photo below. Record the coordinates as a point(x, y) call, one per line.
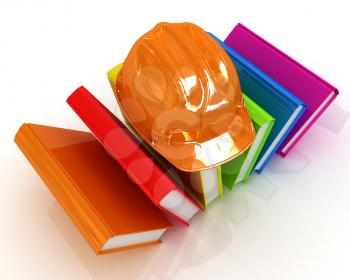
point(334, 118)
point(296, 162)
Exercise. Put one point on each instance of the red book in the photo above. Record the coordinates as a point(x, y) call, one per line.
point(133, 158)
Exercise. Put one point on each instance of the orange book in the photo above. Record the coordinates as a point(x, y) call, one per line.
point(108, 209)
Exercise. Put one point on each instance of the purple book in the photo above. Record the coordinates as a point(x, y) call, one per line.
point(304, 84)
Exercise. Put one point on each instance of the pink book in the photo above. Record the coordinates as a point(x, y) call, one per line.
point(304, 84)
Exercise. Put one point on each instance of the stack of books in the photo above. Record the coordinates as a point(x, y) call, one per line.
point(120, 192)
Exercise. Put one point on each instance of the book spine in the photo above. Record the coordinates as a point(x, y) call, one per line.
point(59, 184)
point(121, 145)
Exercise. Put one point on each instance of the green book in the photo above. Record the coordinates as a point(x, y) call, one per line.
point(239, 169)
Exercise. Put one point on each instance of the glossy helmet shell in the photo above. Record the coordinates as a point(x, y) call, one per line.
point(180, 92)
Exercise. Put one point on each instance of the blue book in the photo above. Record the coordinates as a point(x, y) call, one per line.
point(272, 97)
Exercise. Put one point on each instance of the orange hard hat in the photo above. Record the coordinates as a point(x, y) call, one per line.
point(180, 92)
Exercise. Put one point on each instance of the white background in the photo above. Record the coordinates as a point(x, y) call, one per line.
point(292, 222)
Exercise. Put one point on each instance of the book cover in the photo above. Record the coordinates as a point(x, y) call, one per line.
point(107, 208)
point(239, 169)
point(304, 84)
point(130, 154)
point(204, 186)
point(270, 96)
